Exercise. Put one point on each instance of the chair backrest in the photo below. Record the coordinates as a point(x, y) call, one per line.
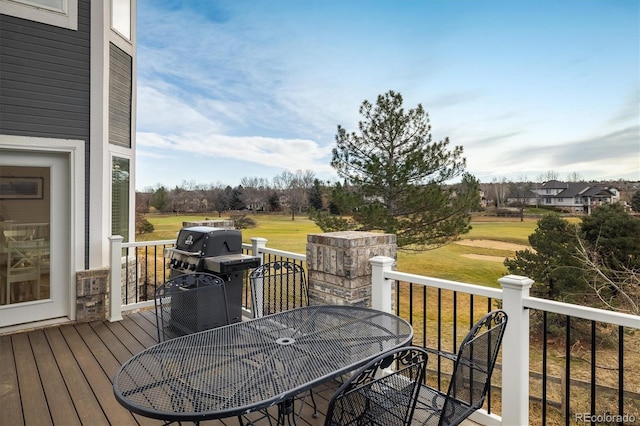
point(374, 395)
point(22, 234)
point(473, 367)
point(190, 303)
point(278, 286)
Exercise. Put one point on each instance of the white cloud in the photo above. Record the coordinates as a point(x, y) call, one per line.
point(289, 154)
point(164, 112)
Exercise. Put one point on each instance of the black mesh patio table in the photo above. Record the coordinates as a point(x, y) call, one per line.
point(252, 365)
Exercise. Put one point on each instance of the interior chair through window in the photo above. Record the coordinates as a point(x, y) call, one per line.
point(23, 264)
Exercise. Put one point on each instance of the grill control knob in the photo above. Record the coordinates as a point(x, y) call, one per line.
point(192, 267)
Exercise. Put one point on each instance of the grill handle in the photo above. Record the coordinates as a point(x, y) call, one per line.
point(183, 252)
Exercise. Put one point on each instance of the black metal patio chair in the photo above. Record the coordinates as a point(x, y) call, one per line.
point(383, 392)
point(471, 377)
point(190, 303)
point(278, 286)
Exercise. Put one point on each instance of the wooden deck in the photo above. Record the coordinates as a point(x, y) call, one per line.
point(62, 375)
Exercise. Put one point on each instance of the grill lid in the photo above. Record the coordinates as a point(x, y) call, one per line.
point(208, 241)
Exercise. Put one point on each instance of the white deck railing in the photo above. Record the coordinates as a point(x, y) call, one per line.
point(514, 295)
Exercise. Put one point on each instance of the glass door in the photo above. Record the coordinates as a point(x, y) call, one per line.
point(33, 199)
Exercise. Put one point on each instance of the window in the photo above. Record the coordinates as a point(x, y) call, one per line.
point(121, 17)
point(120, 197)
point(60, 13)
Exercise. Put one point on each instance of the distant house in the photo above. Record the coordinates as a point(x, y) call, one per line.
point(572, 197)
point(67, 142)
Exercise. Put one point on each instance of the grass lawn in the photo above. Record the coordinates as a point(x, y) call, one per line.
point(476, 265)
point(499, 229)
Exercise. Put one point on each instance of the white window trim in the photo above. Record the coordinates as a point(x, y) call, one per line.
point(65, 19)
point(127, 154)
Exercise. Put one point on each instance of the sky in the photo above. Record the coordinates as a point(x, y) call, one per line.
point(250, 88)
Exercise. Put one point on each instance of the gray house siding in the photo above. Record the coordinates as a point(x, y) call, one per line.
point(45, 83)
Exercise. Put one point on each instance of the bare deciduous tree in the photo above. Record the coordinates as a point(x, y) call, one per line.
point(295, 188)
point(617, 289)
point(256, 192)
point(521, 193)
point(574, 177)
point(500, 188)
point(548, 175)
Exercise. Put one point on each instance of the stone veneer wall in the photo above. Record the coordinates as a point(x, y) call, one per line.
point(339, 268)
point(92, 298)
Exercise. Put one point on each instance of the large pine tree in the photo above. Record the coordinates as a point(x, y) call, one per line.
point(400, 175)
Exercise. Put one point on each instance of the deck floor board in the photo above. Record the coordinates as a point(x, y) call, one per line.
point(30, 387)
point(60, 404)
point(87, 406)
point(9, 390)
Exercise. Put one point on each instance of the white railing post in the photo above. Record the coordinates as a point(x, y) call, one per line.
point(258, 243)
point(515, 351)
point(381, 298)
point(115, 278)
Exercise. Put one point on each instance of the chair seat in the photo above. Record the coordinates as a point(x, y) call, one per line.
point(429, 407)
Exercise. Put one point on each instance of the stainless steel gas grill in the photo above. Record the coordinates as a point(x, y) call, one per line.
point(217, 251)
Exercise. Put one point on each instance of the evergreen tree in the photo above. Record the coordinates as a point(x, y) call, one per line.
point(635, 202)
point(399, 175)
point(315, 195)
point(552, 263)
point(341, 200)
point(159, 199)
point(615, 235)
point(236, 201)
point(274, 202)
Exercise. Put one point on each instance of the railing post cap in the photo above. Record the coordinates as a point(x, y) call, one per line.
point(517, 282)
point(381, 261)
point(116, 238)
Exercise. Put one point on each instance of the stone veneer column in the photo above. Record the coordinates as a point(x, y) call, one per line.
point(92, 287)
point(339, 268)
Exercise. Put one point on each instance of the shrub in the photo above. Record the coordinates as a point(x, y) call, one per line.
point(242, 221)
point(144, 226)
